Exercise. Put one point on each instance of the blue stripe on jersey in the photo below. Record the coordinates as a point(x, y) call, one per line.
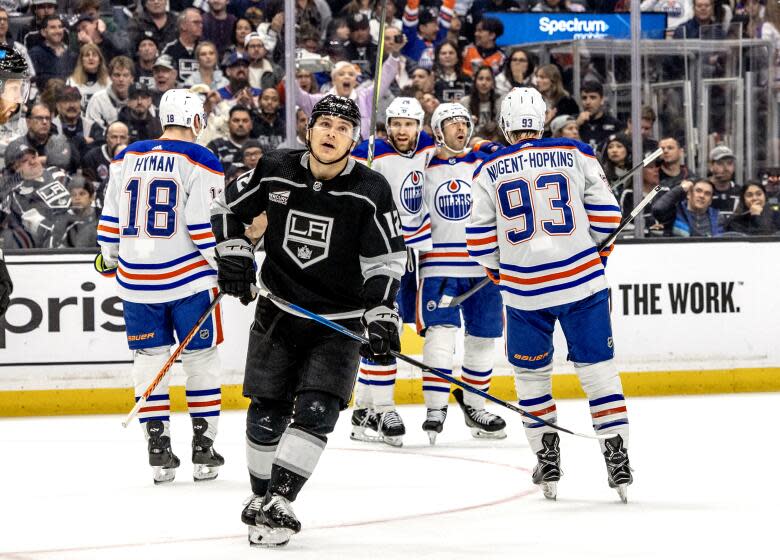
point(602, 207)
point(418, 239)
point(152, 418)
point(196, 227)
point(479, 229)
point(557, 288)
point(105, 239)
point(168, 264)
point(611, 424)
point(448, 263)
point(111, 219)
point(206, 245)
point(534, 402)
point(381, 383)
point(203, 392)
point(195, 152)
point(547, 266)
point(436, 388)
point(475, 373)
point(607, 399)
point(204, 414)
point(603, 230)
point(448, 245)
point(170, 286)
point(481, 252)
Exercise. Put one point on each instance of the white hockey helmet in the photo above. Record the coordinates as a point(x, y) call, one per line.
point(178, 107)
point(406, 108)
point(522, 109)
point(445, 112)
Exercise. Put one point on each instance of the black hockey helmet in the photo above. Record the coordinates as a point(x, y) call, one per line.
point(341, 107)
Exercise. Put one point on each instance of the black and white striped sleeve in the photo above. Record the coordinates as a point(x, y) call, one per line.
point(240, 202)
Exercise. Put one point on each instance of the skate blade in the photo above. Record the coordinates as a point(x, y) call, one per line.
point(163, 475)
point(482, 434)
point(201, 473)
point(393, 441)
point(432, 437)
point(267, 537)
point(359, 433)
point(622, 490)
point(550, 490)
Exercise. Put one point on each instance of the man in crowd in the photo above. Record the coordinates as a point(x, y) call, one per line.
point(146, 54)
point(96, 162)
point(218, 24)
point(722, 167)
point(137, 115)
point(483, 51)
point(673, 170)
point(596, 124)
point(41, 9)
point(702, 25)
point(52, 59)
point(165, 77)
point(263, 73)
point(424, 31)
point(92, 29)
point(182, 50)
point(155, 22)
point(80, 131)
point(81, 229)
point(299, 142)
point(268, 122)
point(251, 152)
point(360, 49)
point(236, 67)
point(228, 150)
point(103, 108)
point(686, 210)
point(53, 149)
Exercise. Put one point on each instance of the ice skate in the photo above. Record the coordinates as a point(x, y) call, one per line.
point(548, 472)
point(364, 419)
point(618, 469)
point(161, 458)
point(275, 522)
point(391, 428)
point(434, 423)
point(205, 460)
point(483, 424)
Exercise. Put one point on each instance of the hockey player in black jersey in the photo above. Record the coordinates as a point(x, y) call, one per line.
point(333, 246)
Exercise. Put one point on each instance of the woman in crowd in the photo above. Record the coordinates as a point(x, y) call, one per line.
point(616, 159)
point(517, 72)
point(482, 101)
point(241, 29)
point(753, 216)
point(550, 84)
point(90, 74)
point(208, 73)
point(451, 84)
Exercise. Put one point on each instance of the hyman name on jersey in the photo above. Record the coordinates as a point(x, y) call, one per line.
point(154, 163)
point(530, 160)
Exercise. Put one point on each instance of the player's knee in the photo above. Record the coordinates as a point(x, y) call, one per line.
point(599, 378)
point(316, 412)
point(201, 362)
point(529, 375)
point(148, 361)
point(439, 344)
point(148, 352)
point(479, 350)
point(267, 419)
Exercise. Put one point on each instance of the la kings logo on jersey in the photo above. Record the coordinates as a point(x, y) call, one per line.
point(307, 237)
point(55, 195)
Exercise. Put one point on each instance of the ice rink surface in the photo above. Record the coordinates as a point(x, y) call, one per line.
point(706, 486)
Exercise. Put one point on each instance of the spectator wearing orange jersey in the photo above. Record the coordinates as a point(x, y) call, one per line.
point(483, 51)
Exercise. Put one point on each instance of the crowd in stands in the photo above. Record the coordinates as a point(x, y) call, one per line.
point(100, 68)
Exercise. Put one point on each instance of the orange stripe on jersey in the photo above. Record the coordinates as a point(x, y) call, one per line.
point(378, 372)
point(108, 229)
point(484, 241)
point(608, 412)
point(550, 277)
point(605, 219)
point(434, 255)
point(192, 161)
point(418, 232)
point(204, 403)
point(154, 408)
point(201, 236)
point(164, 275)
point(544, 411)
point(218, 318)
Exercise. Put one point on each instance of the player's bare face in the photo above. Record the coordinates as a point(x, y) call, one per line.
point(330, 138)
point(403, 133)
point(456, 133)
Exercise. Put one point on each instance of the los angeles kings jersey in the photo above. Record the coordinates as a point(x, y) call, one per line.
point(541, 208)
point(156, 220)
point(447, 195)
point(406, 176)
point(333, 247)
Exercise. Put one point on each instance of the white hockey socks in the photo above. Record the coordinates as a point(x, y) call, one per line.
point(478, 361)
point(601, 383)
point(147, 363)
point(363, 388)
point(534, 392)
point(381, 383)
point(296, 457)
point(203, 390)
point(438, 352)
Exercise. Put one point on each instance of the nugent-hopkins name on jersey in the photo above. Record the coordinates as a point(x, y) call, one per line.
point(334, 247)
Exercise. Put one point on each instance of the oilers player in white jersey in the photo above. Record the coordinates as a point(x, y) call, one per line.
point(541, 209)
point(447, 270)
point(401, 159)
point(155, 237)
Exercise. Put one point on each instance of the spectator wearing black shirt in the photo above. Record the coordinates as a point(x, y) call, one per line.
point(141, 123)
point(722, 166)
point(703, 17)
point(54, 149)
point(91, 30)
point(218, 24)
point(52, 59)
point(451, 85)
point(95, 164)
point(517, 72)
point(81, 229)
point(228, 150)
point(251, 152)
point(165, 77)
point(673, 170)
point(753, 215)
point(146, 54)
point(41, 9)
point(596, 125)
point(182, 50)
point(80, 131)
point(155, 22)
point(360, 50)
point(268, 122)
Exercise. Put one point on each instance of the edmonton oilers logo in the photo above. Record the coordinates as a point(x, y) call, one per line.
point(453, 200)
point(411, 192)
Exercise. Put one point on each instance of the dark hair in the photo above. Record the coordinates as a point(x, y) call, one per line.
point(671, 137)
point(474, 100)
point(748, 184)
point(236, 109)
point(49, 18)
point(458, 57)
point(592, 86)
point(235, 28)
point(507, 71)
point(492, 25)
point(705, 180)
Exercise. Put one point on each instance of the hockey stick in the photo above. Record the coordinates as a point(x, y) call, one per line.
point(377, 85)
point(346, 332)
point(448, 301)
point(159, 377)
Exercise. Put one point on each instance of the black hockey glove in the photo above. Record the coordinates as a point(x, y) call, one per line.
point(6, 287)
point(382, 324)
point(236, 269)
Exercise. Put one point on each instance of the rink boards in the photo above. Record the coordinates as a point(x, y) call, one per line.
point(688, 318)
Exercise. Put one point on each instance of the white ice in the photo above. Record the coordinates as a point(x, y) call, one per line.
point(706, 486)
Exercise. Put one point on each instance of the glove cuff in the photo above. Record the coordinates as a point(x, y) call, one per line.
point(382, 313)
point(235, 248)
